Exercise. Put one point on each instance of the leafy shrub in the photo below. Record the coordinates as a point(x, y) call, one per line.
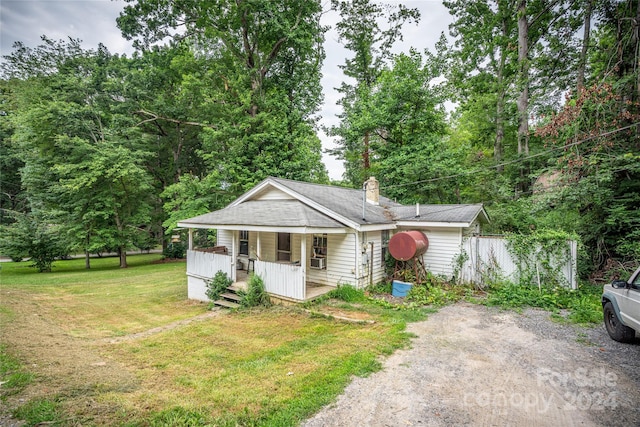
point(34, 238)
point(255, 295)
point(218, 285)
point(175, 250)
point(347, 293)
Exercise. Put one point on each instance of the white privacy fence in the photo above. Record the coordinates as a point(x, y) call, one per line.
point(488, 257)
point(206, 265)
point(286, 280)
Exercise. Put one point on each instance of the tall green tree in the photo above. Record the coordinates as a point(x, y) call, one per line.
point(512, 56)
point(258, 77)
point(83, 159)
point(407, 117)
point(369, 30)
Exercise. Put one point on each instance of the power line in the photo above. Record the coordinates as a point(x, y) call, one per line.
point(510, 162)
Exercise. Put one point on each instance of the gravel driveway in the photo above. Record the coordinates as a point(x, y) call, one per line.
point(473, 365)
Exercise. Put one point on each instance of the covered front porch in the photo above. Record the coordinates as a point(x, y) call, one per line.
point(298, 251)
point(282, 280)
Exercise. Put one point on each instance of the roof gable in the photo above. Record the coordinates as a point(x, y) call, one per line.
point(342, 204)
point(277, 202)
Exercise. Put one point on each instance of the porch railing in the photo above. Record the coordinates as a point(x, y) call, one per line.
point(206, 265)
point(282, 279)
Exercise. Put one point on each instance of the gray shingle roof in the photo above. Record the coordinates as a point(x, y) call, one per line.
point(283, 213)
point(332, 202)
point(440, 213)
point(346, 202)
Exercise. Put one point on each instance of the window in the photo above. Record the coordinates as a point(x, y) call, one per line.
point(384, 247)
point(319, 245)
point(284, 247)
point(244, 242)
point(319, 252)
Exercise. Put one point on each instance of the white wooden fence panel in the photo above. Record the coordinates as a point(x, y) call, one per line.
point(204, 264)
point(489, 256)
point(282, 279)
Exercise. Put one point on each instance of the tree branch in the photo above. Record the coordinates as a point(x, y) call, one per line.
point(154, 117)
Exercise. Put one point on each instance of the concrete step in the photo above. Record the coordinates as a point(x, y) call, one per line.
point(226, 303)
point(232, 296)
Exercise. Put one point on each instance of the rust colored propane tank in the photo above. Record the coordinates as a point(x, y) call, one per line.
point(406, 245)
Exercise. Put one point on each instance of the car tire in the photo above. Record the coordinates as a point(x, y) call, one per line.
point(617, 331)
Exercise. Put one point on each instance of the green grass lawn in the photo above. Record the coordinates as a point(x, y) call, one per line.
point(273, 366)
point(106, 300)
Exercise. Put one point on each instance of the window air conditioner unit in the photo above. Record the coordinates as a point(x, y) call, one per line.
point(317, 263)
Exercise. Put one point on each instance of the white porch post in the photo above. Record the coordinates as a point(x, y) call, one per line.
point(234, 255)
point(258, 248)
point(357, 259)
point(191, 239)
point(303, 264)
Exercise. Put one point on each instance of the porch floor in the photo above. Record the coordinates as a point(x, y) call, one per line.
point(312, 291)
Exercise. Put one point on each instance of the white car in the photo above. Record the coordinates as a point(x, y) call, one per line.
point(621, 307)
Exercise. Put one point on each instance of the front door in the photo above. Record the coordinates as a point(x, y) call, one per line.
point(284, 246)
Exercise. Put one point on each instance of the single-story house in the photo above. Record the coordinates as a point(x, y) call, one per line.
point(304, 239)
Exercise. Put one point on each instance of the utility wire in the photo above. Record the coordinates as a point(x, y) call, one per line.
point(510, 162)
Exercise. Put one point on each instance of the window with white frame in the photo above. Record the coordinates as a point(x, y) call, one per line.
point(319, 252)
point(244, 242)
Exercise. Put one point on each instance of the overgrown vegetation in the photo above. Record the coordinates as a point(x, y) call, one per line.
point(540, 256)
point(347, 293)
point(255, 295)
point(218, 285)
point(583, 304)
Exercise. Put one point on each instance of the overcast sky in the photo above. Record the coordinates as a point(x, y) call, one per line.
point(94, 21)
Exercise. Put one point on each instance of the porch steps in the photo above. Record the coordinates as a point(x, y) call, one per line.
point(226, 304)
point(228, 299)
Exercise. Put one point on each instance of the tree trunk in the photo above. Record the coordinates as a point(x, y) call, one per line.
point(122, 253)
point(498, 147)
point(585, 47)
point(523, 99)
point(87, 260)
point(523, 65)
point(366, 164)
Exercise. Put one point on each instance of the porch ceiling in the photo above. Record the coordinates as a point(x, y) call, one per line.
point(264, 213)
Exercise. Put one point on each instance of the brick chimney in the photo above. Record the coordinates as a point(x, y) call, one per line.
point(373, 191)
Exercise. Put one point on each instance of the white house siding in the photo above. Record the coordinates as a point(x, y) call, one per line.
point(272, 194)
point(225, 238)
point(340, 260)
point(444, 247)
point(268, 246)
point(374, 237)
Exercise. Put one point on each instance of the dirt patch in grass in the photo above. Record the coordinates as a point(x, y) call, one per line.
point(348, 315)
point(63, 365)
